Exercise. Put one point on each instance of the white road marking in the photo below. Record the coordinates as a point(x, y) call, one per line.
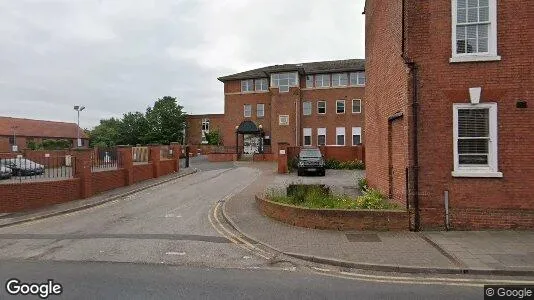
point(175, 253)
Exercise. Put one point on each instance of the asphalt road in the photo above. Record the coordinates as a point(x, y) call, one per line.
point(159, 243)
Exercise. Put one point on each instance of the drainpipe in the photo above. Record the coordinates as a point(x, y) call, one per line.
point(297, 126)
point(413, 128)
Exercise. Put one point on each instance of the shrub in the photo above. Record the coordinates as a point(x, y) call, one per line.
point(373, 199)
point(293, 164)
point(344, 165)
point(362, 184)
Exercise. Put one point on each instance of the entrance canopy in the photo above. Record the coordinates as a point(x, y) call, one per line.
point(247, 127)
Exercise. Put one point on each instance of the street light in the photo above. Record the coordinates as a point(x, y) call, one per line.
point(79, 108)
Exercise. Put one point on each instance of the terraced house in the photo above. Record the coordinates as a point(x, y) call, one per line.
point(449, 115)
point(308, 104)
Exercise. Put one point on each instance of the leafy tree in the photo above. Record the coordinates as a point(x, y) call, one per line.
point(213, 137)
point(106, 133)
point(132, 129)
point(165, 121)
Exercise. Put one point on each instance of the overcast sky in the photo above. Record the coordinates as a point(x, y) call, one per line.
point(115, 56)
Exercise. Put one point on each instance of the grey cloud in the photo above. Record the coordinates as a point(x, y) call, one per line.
point(119, 56)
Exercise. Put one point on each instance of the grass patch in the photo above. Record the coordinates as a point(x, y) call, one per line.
point(313, 196)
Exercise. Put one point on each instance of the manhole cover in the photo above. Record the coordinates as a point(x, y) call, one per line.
point(363, 237)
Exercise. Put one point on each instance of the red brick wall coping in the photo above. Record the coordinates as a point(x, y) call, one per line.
point(336, 219)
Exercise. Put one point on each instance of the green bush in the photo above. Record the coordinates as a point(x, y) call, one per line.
point(344, 165)
point(293, 164)
point(362, 184)
point(317, 196)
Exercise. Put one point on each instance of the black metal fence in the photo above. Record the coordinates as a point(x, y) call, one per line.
point(103, 159)
point(21, 169)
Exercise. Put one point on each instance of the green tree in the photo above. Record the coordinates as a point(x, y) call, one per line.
point(132, 129)
point(165, 121)
point(214, 137)
point(106, 133)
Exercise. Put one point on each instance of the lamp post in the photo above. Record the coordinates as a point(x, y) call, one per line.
point(79, 108)
point(14, 147)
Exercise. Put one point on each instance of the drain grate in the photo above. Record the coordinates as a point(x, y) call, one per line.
point(363, 237)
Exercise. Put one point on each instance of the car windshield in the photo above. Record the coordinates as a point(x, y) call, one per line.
point(310, 153)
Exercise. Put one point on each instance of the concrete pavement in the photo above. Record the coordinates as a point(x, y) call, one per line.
point(495, 253)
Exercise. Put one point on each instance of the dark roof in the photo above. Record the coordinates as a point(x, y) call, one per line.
point(39, 128)
point(330, 66)
point(247, 126)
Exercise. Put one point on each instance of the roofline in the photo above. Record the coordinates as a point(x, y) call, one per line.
point(40, 120)
point(203, 115)
point(299, 67)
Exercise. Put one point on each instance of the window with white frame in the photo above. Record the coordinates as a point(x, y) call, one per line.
point(306, 108)
point(340, 79)
point(283, 81)
point(474, 30)
point(321, 136)
point(261, 85)
point(247, 85)
point(356, 136)
point(321, 107)
point(356, 106)
point(322, 80)
point(260, 110)
point(309, 81)
point(340, 106)
point(307, 132)
point(283, 119)
point(340, 136)
point(357, 78)
point(205, 128)
point(475, 140)
point(205, 125)
point(247, 110)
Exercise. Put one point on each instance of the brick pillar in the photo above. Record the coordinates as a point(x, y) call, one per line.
point(176, 152)
point(155, 158)
point(126, 159)
point(282, 158)
point(82, 169)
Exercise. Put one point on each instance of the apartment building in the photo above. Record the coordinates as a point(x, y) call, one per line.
point(449, 110)
point(308, 104)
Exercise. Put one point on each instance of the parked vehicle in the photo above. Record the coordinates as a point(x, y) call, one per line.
point(311, 159)
point(5, 172)
point(23, 167)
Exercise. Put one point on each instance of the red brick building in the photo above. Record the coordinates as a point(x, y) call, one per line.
point(449, 110)
point(18, 131)
point(318, 103)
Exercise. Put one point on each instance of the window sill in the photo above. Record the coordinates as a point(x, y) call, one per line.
point(479, 174)
point(474, 58)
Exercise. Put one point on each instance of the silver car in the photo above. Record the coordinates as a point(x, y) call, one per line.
point(5, 172)
point(23, 167)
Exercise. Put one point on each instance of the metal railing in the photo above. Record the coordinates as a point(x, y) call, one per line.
point(21, 169)
point(105, 159)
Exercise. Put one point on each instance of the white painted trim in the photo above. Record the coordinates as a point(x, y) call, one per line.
point(340, 130)
point(344, 107)
point(311, 108)
point(356, 131)
point(257, 110)
point(474, 58)
point(307, 132)
point(352, 106)
point(324, 107)
point(321, 131)
point(245, 111)
point(477, 174)
point(491, 55)
point(247, 93)
point(279, 120)
point(493, 163)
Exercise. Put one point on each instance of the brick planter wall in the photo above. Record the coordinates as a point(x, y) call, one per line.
point(31, 195)
point(336, 219)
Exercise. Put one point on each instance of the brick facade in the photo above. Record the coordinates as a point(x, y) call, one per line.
point(289, 103)
point(474, 202)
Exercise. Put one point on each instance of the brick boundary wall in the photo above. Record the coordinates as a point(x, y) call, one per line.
point(264, 157)
point(335, 219)
point(107, 180)
point(17, 197)
point(477, 218)
point(219, 157)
